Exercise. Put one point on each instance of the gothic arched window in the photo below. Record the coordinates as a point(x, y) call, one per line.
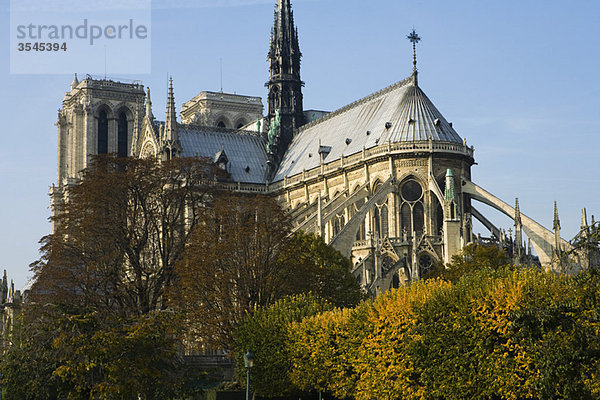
point(412, 214)
point(384, 221)
point(439, 217)
point(405, 217)
point(122, 135)
point(287, 95)
point(102, 132)
point(418, 217)
point(274, 98)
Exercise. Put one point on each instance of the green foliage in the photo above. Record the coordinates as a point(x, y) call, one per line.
point(323, 269)
point(65, 353)
point(472, 258)
point(27, 364)
point(266, 333)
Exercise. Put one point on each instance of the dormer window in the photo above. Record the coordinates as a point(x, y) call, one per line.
point(221, 160)
point(324, 151)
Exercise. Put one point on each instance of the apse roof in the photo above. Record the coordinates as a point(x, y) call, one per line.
point(245, 151)
point(399, 113)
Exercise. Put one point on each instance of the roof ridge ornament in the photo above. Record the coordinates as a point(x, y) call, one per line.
point(414, 39)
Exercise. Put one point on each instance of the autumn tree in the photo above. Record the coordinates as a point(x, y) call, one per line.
point(241, 255)
point(472, 258)
point(119, 234)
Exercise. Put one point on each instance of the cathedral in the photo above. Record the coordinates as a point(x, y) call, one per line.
point(386, 180)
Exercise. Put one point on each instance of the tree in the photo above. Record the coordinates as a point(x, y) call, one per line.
point(266, 333)
point(472, 258)
point(27, 364)
point(585, 246)
point(241, 256)
point(114, 358)
point(321, 269)
point(510, 334)
point(63, 352)
point(324, 350)
point(123, 228)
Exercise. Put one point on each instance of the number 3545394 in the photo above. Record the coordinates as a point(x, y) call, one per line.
point(36, 46)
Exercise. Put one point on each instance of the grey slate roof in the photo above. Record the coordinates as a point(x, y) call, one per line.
point(243, 149)
point(399, 113)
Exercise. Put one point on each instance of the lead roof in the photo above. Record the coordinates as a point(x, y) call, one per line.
point(399, 113)
point(245, 151)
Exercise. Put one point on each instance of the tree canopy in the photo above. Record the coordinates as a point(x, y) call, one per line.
point(120, 232)
point(511, 334)
point(61, 352)
point(266, 333)
point(241, 256)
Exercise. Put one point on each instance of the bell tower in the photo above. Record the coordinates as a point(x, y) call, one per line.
point(98, 116)
point(284, 85)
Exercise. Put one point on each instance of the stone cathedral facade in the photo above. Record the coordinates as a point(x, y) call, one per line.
point(386, 179)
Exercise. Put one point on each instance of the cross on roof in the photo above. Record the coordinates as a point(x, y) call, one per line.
point(414, 39)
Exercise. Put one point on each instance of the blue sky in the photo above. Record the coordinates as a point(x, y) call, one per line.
point(519, 80)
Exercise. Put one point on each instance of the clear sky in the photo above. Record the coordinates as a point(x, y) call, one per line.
point(519, 79)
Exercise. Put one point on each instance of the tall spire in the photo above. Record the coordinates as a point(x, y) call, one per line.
point(518, 234)
point(3, 289)
point(170, 145)
point(556, 223)
point(584, 224)
point(284, 85)
point(75, 82)
point(171, 118)
point(149, 105)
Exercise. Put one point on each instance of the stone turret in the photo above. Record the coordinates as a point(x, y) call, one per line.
point(452, 221)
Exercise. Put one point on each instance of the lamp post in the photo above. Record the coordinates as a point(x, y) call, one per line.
point(248, 363)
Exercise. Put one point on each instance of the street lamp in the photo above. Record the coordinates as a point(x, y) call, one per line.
point(248, 363)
